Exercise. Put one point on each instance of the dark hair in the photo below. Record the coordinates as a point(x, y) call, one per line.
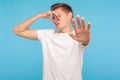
point(64, 6)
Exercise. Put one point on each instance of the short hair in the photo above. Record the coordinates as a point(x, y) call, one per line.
point(64, 7)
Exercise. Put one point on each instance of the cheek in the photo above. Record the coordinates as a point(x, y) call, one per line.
point(53, 21)
point(64, 21)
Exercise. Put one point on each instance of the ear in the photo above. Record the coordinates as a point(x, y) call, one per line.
point(70, 15)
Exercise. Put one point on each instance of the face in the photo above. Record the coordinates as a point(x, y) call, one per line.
point(63, 20)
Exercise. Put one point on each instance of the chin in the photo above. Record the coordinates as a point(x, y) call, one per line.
point(58, 27)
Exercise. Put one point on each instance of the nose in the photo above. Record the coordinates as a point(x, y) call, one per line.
point(55, 19)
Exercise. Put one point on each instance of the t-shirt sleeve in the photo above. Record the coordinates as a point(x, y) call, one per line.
point(41, 34)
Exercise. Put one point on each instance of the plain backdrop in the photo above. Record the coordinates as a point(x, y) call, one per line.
point(21, 59)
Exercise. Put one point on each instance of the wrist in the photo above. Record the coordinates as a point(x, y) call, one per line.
point(85, 42)
point(42, 15)
point(39, 16)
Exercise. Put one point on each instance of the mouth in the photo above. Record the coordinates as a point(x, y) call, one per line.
point(57, 24)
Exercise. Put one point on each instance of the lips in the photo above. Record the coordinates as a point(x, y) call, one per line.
point(57, 24)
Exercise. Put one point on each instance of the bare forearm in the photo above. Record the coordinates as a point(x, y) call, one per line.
point(25, 25)
point(23, 28)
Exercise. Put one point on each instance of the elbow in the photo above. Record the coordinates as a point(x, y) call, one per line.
point(15, 31)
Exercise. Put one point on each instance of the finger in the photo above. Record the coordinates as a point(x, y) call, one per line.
point(83, 22)
point(74, 26)
point(89, 24)
point(55, 15)
point(78, 21)
point(50, 19)
point(51, 12)
point(71, 35)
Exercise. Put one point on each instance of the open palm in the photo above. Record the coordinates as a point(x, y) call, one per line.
point(82, 33)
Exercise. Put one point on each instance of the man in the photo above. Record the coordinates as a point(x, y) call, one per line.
point(62, 50)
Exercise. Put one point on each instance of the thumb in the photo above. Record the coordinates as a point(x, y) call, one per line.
point(49, 18)
point(71, 35)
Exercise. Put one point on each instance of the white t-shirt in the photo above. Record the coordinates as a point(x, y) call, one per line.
point(62, 56)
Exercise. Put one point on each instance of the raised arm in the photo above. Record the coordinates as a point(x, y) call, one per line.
point(23, 28)
point(82, 33)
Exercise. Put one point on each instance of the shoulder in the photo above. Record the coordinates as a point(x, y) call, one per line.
point(43, 33)
point(46, 31)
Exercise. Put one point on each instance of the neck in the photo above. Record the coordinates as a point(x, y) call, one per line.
point(66, 30)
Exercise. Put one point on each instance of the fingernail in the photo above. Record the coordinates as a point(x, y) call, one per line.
point(82, 18)
point(78, 15)
point(89, 22)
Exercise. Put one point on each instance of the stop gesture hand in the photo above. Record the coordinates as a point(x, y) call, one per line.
point(82, 33)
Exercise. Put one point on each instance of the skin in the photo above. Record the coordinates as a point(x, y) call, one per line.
point(82, 33)
point(62, 21)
